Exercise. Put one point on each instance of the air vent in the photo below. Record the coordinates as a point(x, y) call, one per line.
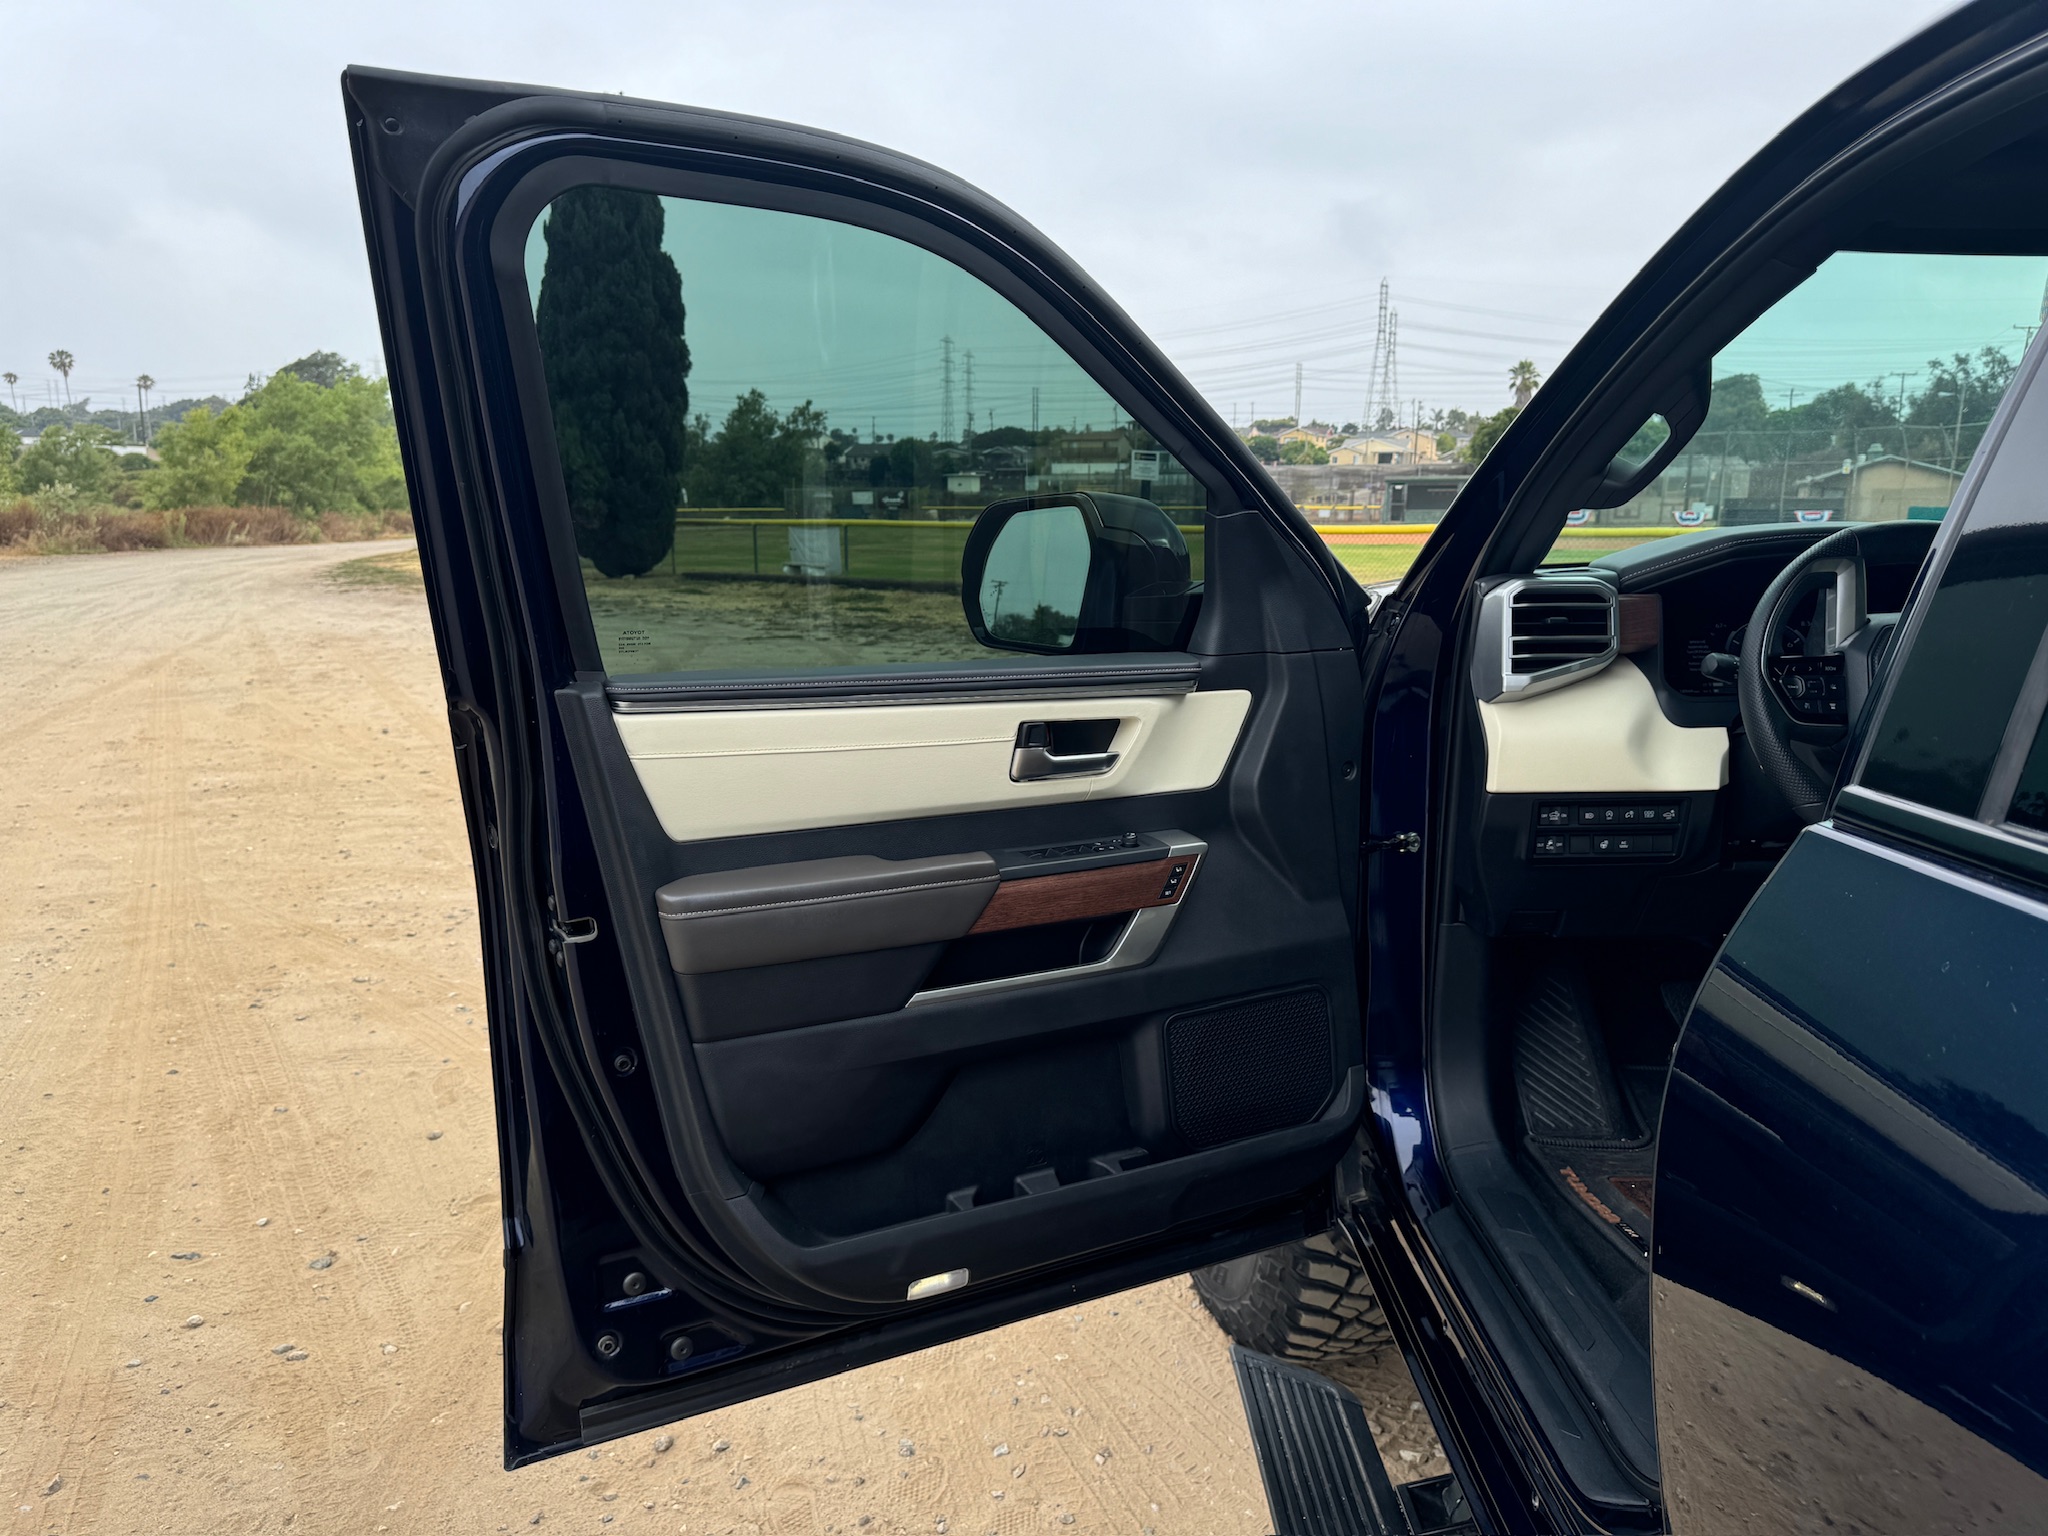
point(1539, 632)
point(1551, 625)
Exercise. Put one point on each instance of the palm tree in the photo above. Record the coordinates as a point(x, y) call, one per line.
point(143, 385)
point(62, 362)
point(12, 398)
point(1524, 377)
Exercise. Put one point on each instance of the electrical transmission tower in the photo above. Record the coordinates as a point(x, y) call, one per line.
point(969, 359)
point(947, 425)
point(1390, 374)
point(1383, 384)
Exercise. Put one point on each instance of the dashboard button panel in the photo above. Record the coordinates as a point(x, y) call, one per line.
point(1607, 829)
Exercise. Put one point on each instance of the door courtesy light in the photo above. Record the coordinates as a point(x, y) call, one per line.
point(936, 1285)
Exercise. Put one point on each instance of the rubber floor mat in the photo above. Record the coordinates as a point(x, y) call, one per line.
point(1579, 1129)
point(1562, 1074)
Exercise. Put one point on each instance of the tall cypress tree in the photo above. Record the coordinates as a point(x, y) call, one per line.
point(617, 368)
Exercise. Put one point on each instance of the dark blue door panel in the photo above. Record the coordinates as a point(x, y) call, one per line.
point(1852, 1206)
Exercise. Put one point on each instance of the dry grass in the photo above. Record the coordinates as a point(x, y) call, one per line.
point(45, 526)
point(397, 568)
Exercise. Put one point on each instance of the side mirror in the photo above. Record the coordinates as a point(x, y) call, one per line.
point(1659, 440)
point(1077, 573)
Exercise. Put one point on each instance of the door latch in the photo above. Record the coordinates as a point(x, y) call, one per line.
point(564, 931)
point(1396, 842)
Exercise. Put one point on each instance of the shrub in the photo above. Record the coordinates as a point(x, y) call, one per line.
point(204, 459)
point(71, 455)
point(313, 445)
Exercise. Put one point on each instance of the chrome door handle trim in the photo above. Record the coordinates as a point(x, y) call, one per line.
point(1028, 763)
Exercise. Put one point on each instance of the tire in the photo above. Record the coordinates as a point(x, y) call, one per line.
point(1307, 1301)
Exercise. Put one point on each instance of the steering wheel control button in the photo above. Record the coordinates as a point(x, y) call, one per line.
point(1811, 687)
point(1622, 830)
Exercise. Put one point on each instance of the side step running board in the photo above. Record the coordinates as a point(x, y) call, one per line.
point(1322, 1472)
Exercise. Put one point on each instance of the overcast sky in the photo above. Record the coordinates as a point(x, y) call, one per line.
point(177, 195)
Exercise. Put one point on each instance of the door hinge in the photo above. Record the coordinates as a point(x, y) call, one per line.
point(1398, 842)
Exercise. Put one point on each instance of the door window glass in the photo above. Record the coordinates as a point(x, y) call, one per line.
point(1859, 396)
point(775, 431)
point(1959, 680)
point(2030, 798)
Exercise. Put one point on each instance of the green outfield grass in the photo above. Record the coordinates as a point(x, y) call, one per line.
point(910, 553)
point(1380, 553)
point(918, 553)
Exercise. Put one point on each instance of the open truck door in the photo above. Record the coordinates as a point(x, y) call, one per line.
point(919, 870)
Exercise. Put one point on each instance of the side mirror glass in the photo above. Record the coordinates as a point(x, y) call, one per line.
point(1077, 573)
point(1039, 561)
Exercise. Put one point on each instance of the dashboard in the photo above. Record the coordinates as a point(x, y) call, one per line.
point(1709, 610)
point(1614, 795)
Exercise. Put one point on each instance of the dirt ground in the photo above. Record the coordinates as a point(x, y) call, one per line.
point(248, 1204)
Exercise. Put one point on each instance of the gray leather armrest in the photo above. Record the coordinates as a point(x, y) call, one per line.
point(775, 913)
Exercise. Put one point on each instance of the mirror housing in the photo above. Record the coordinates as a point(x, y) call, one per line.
point(1682, 412)
point(1135, 591)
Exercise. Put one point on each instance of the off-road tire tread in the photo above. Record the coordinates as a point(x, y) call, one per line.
point(1308, 1301)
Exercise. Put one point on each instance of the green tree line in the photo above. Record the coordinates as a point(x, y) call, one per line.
point(317, 436)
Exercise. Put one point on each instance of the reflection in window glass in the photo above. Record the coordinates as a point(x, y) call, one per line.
point(1961, 674)
point(2030, 797)
point(1860, 396)
point(776, 430)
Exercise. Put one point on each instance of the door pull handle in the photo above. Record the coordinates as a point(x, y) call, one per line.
point(1033, 757)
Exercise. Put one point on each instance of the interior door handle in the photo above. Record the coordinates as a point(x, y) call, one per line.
point(1033, 757)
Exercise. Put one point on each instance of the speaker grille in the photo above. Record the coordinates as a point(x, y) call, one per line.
point(1245, 1068)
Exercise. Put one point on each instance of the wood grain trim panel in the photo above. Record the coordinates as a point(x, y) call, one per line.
point(1639, 621)
point(1084, 893)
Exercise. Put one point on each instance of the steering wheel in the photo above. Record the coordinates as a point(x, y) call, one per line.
point(1797, 710)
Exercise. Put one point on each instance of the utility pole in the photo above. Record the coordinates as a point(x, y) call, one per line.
point(1905, 448)
point(1785, 479)
point(1034, 414)
point(1297, 394)
point(946, 423)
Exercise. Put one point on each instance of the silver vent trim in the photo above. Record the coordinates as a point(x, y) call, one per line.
point(1537, 633)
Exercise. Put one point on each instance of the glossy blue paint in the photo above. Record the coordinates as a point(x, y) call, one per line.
point(1853, 1186)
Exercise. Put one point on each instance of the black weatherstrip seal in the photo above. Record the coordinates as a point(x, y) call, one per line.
point(924, 685)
